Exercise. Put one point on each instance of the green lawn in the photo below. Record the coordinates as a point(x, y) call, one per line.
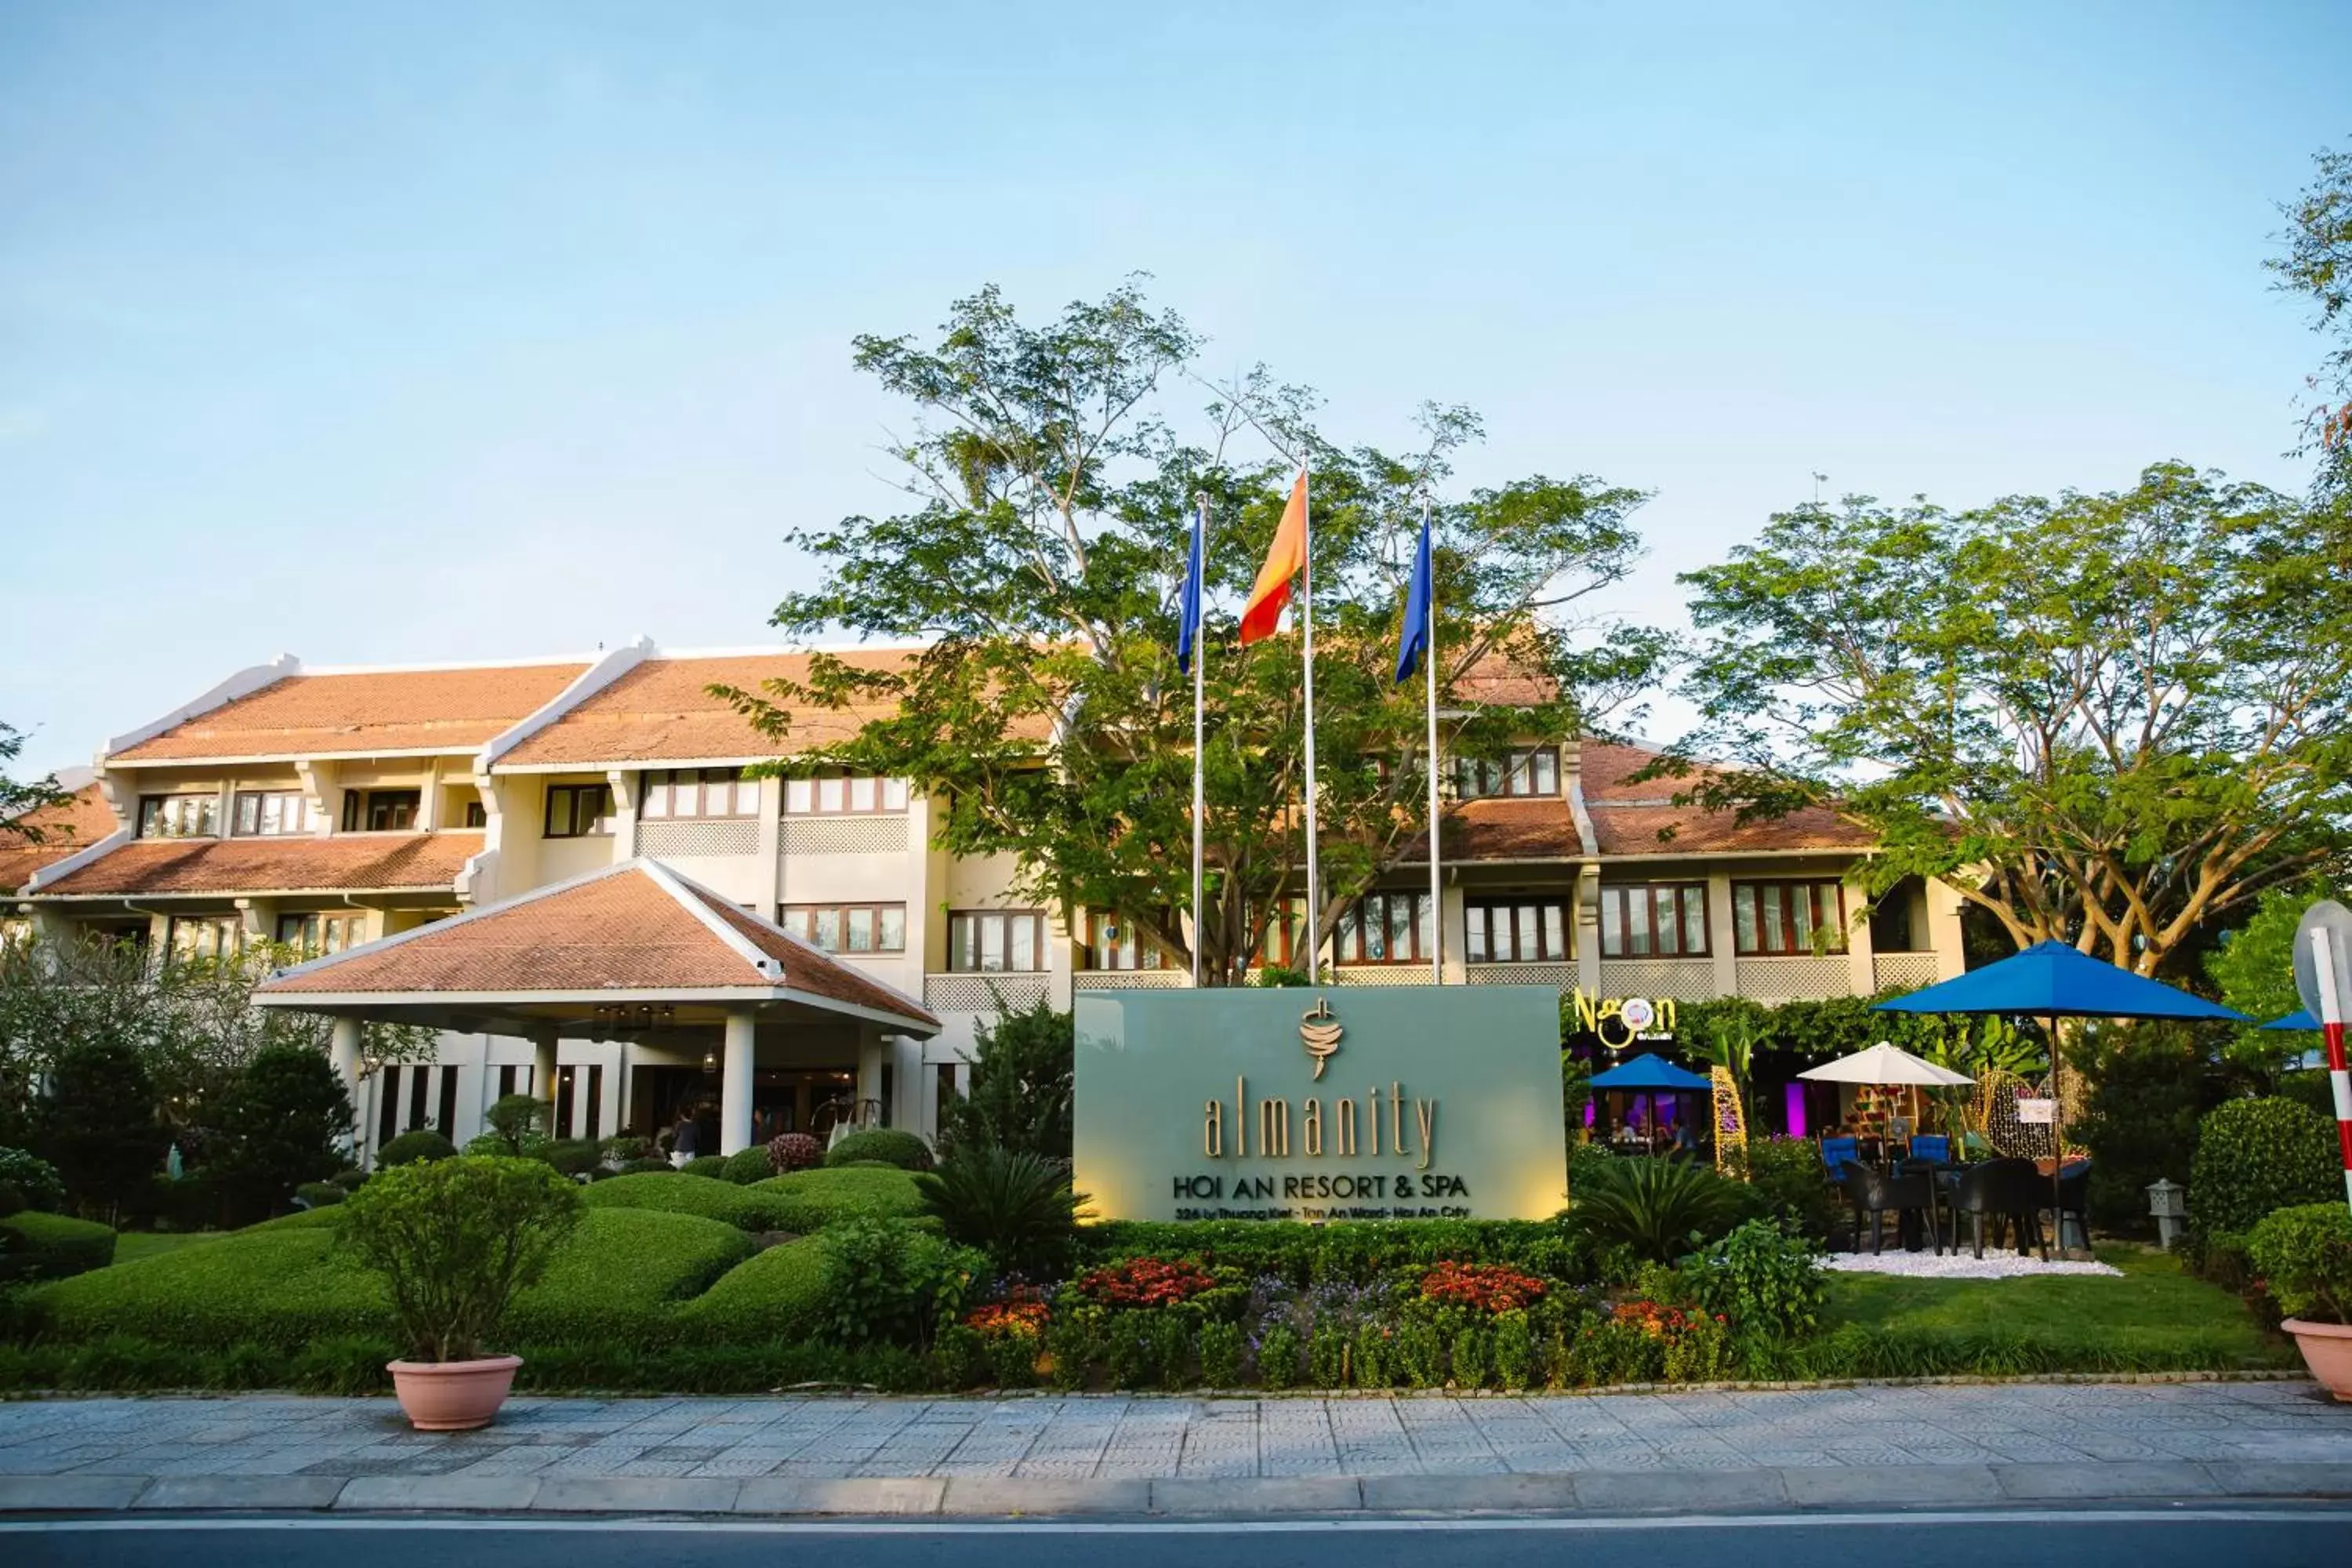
point(2153, 1316)
point(134, 1245)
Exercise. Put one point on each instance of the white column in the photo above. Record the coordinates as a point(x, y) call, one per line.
point(1861, 955)
point(769, 846)
point(542, 1071)
point(1722, 944)
point(869, 1069)
point(735, 1083)
point(343, 1051)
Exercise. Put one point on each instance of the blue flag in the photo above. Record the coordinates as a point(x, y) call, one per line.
point(1188, 631)
point(1415, 645)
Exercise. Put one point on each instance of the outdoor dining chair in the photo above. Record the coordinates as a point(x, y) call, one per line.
point(2006, 1191)
point(1837, 1154)
point(1934, 1148)
point(1878, 1195)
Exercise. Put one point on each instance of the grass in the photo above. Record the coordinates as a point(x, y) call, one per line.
point(2154, 1318)
point(132, 1245)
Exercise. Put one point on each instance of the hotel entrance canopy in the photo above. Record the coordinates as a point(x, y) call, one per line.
point(609, 955)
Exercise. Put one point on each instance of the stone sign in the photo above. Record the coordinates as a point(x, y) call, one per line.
point(1320, 1103)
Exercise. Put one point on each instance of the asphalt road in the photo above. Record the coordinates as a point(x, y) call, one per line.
point(2139, 1537)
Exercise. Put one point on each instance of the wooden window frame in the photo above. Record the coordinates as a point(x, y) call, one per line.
point(1511, 776)
point(956, 918)
point(571, 794)
point(1348, 946)
point(1134, 951)
point(1479, 928)
point(152, 807)
point(807, 788)
point(359, 806)
point(1783, 892)
point(808, 913)
point(257, 796)
point(351, 924)
point(230, 939)
point(658, 794)
point(1628, 898)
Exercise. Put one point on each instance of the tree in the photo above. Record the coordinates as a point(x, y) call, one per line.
point(285, 1121)
point(2253, 969)
point(96, 1125)
point(2319, 263)
point(1023, 1068)
point(1041, 559)
point(18, 800)
point(2108, 719)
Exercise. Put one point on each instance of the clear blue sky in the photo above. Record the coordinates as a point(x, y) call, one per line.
point(412, 330)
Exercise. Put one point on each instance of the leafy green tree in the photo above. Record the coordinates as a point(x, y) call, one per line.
point(2108, 720)
point(1024, 1067)
point(2253, 969)
point(1050, 475)
point(96, 1125)
point(285, 1120)
point(19, 798)
point(2319, 263)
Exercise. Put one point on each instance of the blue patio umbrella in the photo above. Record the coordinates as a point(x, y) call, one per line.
point(2051, 980)
point(1651, 1073)
point(2300, 1019)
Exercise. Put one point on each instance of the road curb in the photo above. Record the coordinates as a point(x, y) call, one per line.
point(1762, 1489)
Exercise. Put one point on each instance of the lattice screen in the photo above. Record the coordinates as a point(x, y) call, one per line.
point(880, 835)
point(1560, 974)
point(1908, 971)
point(1131, 980)
point(1659, 979)
point(731, 835)
point(1794, 979)
point(979, 993)
point(1384, 974)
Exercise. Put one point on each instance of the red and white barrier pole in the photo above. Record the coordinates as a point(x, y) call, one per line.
point(2331, 1028)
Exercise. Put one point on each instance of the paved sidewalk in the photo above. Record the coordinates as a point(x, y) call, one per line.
point(1933, 1444)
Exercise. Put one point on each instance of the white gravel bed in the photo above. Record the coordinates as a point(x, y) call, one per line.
point(1956, 1266)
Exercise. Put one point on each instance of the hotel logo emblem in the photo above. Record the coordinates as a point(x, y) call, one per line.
point(1319, 1032)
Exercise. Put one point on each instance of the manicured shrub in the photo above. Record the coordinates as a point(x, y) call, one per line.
point(2257, 1155)
point(1222, 1350)
point(711, 1166)
point(283, 1123)
point(1763, 1277)
point(889, 1282)
point(623, 1277)
point(2305, 1254)
point(1655, 1209)
point(1278, 1356)
point(34, 1179)
point(890, 1144)
point(351, 1179)
point(320, 1195)
point(811, 1200)
point(37, 1245)
point(1022, 1071)
point(675, 1192)
point(519, 1121)
point(795, 1152)
point(1349, 1251)
point(748, 1165)
point(647, 1166)
point(623, 1147)
point(1786, 1175)
point(455, 1240)
point(1016, 1207)
point(780, 1294)
point(571, 1156)
point(410, 1147)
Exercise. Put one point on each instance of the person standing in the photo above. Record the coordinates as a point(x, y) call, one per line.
point(686, 1141)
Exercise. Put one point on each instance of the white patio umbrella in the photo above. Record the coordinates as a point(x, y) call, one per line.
point(1886, 1063)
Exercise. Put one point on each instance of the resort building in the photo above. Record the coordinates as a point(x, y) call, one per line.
point(847, 960)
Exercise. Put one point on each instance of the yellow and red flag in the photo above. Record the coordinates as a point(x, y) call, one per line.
point(1283, 562)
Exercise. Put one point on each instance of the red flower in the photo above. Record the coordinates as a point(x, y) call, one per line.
point(1488, 1287)
point(1146, 1282)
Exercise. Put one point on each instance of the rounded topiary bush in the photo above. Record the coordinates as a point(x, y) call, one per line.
point(2254, 1156)
point(795, 1152)
point(35, 1181)
point(888, 1144)
point(35, 1246)
point(645, 1166)
point(811, 1200)
point(571, 1156)
point(410, 1147)
point(711, 1166)
point(748, 1165)
point(320, 1195)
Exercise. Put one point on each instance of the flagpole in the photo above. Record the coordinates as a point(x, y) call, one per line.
point(1428, 664)
point(1200, 677)
point(1307, 620)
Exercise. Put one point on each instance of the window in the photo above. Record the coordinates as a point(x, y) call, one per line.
point(476, 815)
point(178, 815)
point(318, 935)
point(579, 811)
point(831, 794)
point(1653, 919)
point(1284, 936)
point(987, 942)
point(1519, 931)
point(1784, 917)
point(703, 792)
point(847, 928)
point(1386, 928)
point(1113, 944)
point(381, 810)
point(269, 814)
point(1534, 771)
point(202, 936)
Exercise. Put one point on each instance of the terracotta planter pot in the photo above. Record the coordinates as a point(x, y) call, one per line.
point(452, 1395)
point(2327, 1350)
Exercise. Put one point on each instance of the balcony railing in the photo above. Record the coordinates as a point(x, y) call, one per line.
point(983, 993)
point(1904, 971)
point(1560, 974)
point(1381, 974)
point(1659, 979)
point(1806, 979)
point(882, 833)
point(710, 836)
point(1131, 980)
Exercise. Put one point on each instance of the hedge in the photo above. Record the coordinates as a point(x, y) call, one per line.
point(680, 1193)
point(890, 1145)
point(2254, 1156)
point(777, 1295)
point(1353, 1250)
point(282, 1285)
point(811, 1200)
point(36, 1246)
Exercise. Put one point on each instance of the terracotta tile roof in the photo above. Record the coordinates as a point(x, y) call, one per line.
point(66, 829)
point(623, 930)
point(1540, 829)
point(1628, 818)
point(353, 862)
point(662, 710)
point(382, 711)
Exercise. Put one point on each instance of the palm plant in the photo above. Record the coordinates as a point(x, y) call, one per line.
point(1013, 1205)
point(1658, 1209)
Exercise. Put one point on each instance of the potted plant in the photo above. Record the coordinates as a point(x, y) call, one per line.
point(2304, 1255)
point(455, 1240)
